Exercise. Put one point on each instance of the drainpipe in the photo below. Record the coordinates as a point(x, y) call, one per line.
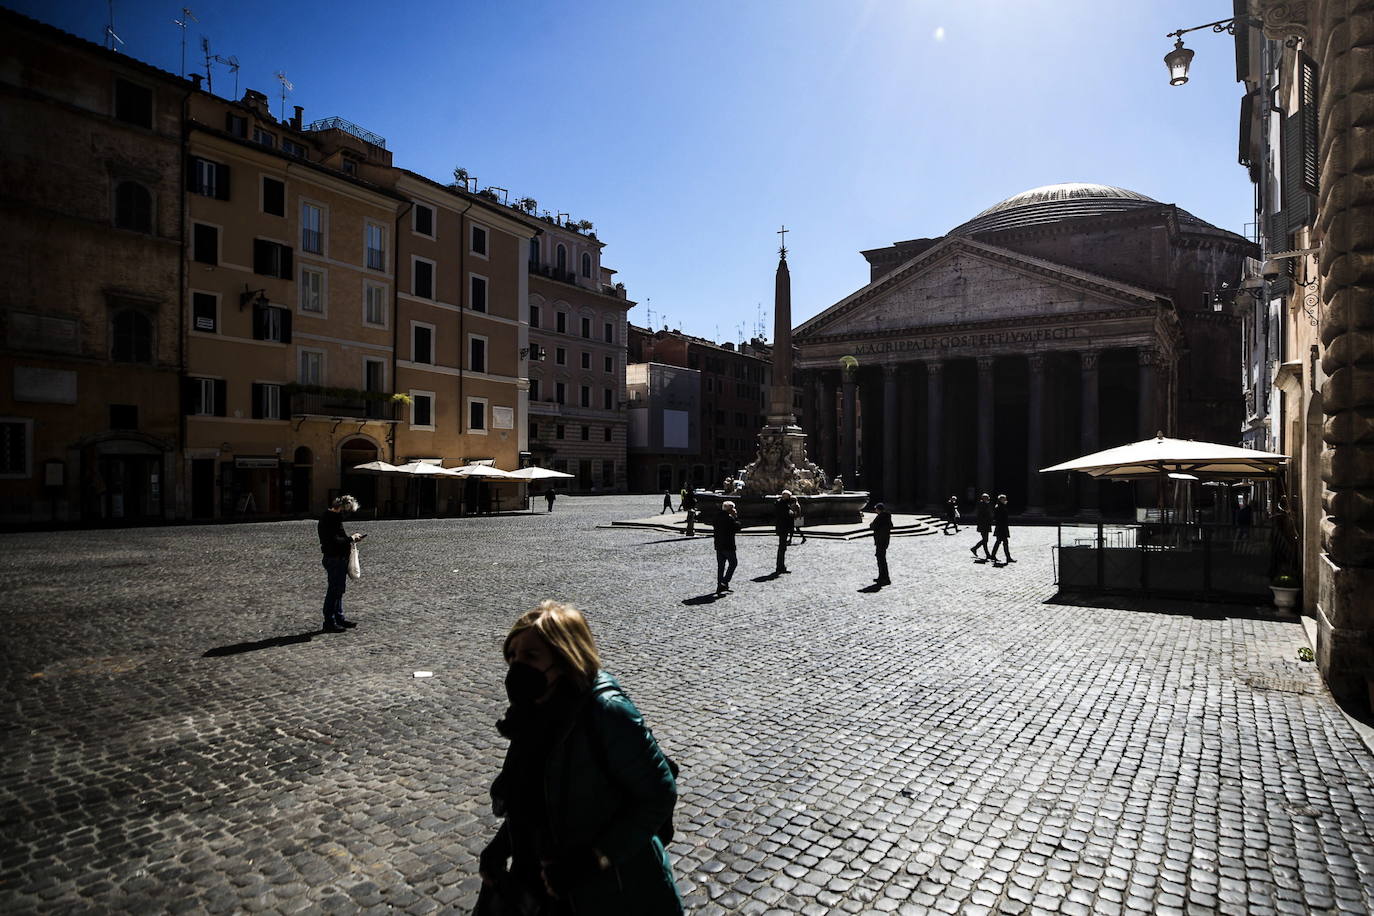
point(395, 307)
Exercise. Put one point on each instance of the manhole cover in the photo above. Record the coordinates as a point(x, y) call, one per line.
point(1281, 684)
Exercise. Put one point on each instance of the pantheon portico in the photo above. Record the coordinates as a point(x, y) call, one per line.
point(1061, 321)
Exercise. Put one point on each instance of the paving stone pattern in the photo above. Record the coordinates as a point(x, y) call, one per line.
point(952, 743)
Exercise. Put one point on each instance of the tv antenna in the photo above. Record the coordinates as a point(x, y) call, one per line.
point(110, 36)
point(231, 62)
point(285, 88)
point(186, 17)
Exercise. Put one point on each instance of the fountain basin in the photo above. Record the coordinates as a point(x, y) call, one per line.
point(821, 509)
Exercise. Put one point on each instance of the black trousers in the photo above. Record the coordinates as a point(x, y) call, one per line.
point(726, 561)
point(881, 551)
point(782, 551)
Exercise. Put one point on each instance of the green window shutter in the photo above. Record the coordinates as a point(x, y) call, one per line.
point(1297, 200)
point(1307, 100)
point(221, 393)
point(257, 401)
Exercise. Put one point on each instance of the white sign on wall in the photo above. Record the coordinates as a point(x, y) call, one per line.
point(503, 418)
point(44, 386)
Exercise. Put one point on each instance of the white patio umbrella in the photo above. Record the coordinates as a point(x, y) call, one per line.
point(420, 469)
point(376, 467)
point(1162, 456)
point(480, 470)
point(537, 474)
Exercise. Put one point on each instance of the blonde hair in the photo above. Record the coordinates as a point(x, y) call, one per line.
point(565, 631)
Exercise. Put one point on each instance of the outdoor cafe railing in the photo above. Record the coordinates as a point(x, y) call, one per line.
point(1194, 560)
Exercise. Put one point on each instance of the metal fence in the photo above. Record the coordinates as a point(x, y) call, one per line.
point(1201, 561)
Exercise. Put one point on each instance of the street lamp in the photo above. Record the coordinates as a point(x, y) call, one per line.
point(1180, 57)
point(1177, 61)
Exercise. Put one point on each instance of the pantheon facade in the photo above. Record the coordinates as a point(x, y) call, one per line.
point(1063, 320)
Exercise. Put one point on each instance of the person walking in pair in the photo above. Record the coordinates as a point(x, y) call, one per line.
point(1001, 530)
point(782, 526)
point(952, 515)
point(724, 529)
point(982, 514)
point(881, 526)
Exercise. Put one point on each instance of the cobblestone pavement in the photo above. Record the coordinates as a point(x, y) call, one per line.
point(952, 743)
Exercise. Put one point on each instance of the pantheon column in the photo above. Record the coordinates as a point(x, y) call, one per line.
point(986, 407)
point(1035, 436)
point(935, 421)
point(1088, 505)
point(891, 431)
point(906, 489)
point(1146, 399)
point(849, 437)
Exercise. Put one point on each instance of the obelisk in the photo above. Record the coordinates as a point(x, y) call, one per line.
point(780, 395)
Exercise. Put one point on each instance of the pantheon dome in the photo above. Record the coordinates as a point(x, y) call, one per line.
point(1053, 203)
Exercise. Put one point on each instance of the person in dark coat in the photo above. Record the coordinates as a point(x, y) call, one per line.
point(584, 790)
point(549, 497)
point(335, 544)
point(1001, 530)
point(724, 529)
point(952, 515)
point(689, 505)
point(782, 526)
point(667, 501)
point(983, 516)
point(882, 535)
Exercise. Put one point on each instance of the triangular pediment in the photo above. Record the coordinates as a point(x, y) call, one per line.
point(963, 281)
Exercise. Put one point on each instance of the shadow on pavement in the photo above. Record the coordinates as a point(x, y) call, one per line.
point(708, 598)
point(871, 589)
point(1199, 610)
point(768, 578)
point(241, 647)
point(680, 537)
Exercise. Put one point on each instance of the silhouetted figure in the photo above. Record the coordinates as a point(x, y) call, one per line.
point(335, 545)
point(952, 515)
point(667, 501)
point(782, 526)
point(549, 497)
point(982, 514)
point(1001, 529)
point(724, 528)
point(882, 535)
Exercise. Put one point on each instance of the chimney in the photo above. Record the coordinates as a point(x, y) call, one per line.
point(196, 78)
point(296, 118)
point(258, 102)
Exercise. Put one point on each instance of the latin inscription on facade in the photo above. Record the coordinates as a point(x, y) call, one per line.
point(973, 340)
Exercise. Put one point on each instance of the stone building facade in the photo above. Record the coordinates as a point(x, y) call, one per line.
point(90, 329)
point(577, 327)
point(1060, 321)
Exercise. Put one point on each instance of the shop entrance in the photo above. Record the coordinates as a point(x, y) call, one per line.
point(202, 488)
point(303, 462)
point(354, 452)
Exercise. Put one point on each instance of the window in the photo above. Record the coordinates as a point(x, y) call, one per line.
point(311, 367)
point(479, 241)
point(133, 207)
point(534, 252)
point(477, 415)
point(607, 399)
point(585, 393)
point(422, 278)
point(132, 337)
point(206, 397)
point(209, 179)
point(273, 197)
point(422, 409)
point(586, 433)
point(262, 137)
point(477, 353)
point(562, 322)
point(376, 246)
point(586, 264)
point(236, 125)
point(133, 103)
point(606, 434)
point(292, 148)
point(312, 229)
point(560, 394)
point(374, 304)
point(561, 258)
point(374, 374)
point(312, 290)
point(422, 220)
point(266, 402)
point(608, 332)
point(558, 431)
point(534, 316)
point(587, 327)
point(586, 360)
point(205, 312)
point(421, 343)
point(560, 356)
point(271, 322)
point(478, 296)
point(271, 259)
point(534, 389)
point(123, 416)
point(608, 364)
point(534, 430)
point(349, 165)
point(15, 438)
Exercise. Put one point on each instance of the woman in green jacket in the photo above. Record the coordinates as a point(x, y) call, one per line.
point(584, 790)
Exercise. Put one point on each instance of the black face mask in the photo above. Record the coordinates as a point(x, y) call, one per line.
point(525, 683)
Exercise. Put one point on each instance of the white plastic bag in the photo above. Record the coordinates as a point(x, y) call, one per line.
point(355, 568)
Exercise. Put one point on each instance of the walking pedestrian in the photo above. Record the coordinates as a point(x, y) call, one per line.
point(723, 531)
point(335, 545)
point(798, 536)
point(549, 497)
point(584, 790)
point(952, 515)
point(782, 527)
point(1001, 530)
point(882, 535)
point(689, 504)
point(982, 514)
point(667, 501)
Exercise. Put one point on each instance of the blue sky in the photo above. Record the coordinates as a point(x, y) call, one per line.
point(688, 132)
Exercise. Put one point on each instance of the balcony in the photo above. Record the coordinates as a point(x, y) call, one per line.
point(336, 406)
point(553, 273)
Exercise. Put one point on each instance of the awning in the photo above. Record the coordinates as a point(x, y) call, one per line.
point(1154, 457)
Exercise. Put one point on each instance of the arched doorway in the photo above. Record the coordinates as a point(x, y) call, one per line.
point(302, 463)
point(354, 452)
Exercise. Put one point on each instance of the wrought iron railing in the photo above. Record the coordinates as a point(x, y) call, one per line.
point(348, 127)
point(327, 405)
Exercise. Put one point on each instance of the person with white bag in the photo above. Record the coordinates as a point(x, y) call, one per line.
point(340, 561)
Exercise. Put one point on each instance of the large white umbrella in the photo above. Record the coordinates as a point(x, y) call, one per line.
point(537, 474)
point(421, 469)
point(1159, 456)
point(479, 470)
point(376, 467)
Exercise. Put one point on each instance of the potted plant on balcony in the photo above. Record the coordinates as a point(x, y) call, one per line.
point(1285, 588)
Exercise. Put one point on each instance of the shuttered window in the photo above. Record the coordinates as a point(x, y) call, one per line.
point(1307, 93)
point(271, 259)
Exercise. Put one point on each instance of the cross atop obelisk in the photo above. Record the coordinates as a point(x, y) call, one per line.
point(782, 247)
